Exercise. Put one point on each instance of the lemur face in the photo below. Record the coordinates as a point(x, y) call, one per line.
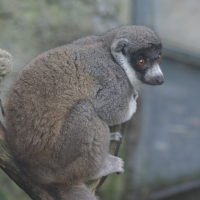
point(138, 51)
point(146, 64)
point(141, 65)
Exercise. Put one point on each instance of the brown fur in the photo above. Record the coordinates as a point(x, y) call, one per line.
point(60, 108)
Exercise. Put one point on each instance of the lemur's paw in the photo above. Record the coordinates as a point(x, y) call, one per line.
point(116, 136)
point(120, 168)
point(117, 164)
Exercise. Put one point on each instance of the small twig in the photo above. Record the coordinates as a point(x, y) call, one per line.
point(174, 190)
point(123, 126)
point(2, 132)
point(2, 109)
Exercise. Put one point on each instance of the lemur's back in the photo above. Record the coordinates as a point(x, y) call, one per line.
point(41, 99)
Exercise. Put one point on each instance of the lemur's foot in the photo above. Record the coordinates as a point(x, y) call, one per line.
point(111, 165)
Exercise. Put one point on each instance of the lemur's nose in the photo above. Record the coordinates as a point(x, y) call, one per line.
point(160, 80)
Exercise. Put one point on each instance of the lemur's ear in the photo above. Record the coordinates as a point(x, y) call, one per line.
point(119, 45)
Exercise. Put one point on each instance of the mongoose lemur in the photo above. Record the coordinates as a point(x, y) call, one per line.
point(61, 106)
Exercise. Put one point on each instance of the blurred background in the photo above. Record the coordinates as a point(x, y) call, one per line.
point(162, 141)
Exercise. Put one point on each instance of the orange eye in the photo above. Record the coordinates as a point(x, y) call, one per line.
point(159, 58)
point(141, 62)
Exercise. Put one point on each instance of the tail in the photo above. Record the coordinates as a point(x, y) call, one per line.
point(78, 192)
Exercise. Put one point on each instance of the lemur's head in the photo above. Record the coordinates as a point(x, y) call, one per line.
point(138, 51)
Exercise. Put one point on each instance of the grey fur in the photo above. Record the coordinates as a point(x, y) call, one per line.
point(62, 104)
